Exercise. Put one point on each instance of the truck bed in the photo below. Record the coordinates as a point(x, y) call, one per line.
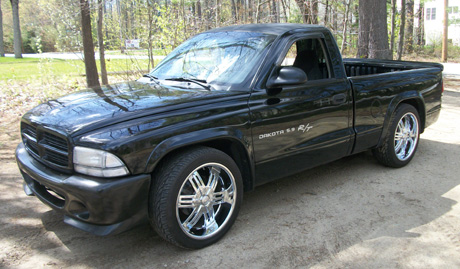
point(362, 67)
point(379, 85)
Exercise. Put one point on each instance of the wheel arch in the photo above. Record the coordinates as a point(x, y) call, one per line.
point(414, 99)
point(232, 145)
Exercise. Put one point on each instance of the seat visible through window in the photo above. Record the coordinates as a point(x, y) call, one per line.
point(308, 55)
point(308, 61)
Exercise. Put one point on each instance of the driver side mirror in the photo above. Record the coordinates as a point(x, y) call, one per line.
point(288, 75)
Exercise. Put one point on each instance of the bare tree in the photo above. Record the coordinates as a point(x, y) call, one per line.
point(393, 26)
point(17, 43)
point(419, 30)
point(401, 30)
point(334, 24)
point(92, 79)
point(326, 12)
point(198, 13)
point(309, 10)
point(283, 3)
point(120, 23)
point(274, 11)
point(409, 32)
point(363, 31)
point(345, 26)
point(234, 11)
point(150, 11)
point(2, 47)
point(444, 32)
point(100, 40)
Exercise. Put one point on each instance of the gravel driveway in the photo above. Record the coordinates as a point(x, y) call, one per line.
point(350, 213)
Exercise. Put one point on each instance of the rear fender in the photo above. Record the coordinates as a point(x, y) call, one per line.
point(413, 98)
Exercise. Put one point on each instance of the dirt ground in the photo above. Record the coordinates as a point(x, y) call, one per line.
point(353, 213)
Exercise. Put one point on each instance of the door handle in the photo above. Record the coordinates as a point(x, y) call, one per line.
point(339, 99)
point(272, 101)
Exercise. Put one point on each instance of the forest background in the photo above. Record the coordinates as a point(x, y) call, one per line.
point(386, 29)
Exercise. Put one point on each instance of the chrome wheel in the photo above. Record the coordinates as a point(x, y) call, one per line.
point(406, 136)
point(206, 200)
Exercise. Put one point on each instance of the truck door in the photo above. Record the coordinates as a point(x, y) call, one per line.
point(295, 127)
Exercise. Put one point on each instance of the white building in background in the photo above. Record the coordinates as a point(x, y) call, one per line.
point(434, 15)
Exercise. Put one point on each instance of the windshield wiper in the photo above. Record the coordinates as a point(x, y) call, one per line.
point(152, 78)
point(203, 83)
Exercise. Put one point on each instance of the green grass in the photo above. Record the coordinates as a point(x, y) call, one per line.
point(14, 60)
point(30, 68)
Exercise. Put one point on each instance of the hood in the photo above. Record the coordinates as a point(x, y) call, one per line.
point(102, 106)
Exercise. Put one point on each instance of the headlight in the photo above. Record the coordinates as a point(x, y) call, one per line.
point(98, 163)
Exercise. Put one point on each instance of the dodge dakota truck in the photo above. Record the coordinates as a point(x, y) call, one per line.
point(228, 110)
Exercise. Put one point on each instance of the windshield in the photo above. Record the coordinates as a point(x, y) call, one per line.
point(223, 59)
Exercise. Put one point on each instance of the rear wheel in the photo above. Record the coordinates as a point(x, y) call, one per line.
point(401, 142)
point(195, 197)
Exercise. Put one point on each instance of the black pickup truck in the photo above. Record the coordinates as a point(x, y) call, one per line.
point(226, 111)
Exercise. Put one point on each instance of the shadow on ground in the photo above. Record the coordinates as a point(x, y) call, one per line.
point(300, 220)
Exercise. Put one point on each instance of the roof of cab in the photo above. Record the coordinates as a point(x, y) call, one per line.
point(270, 28)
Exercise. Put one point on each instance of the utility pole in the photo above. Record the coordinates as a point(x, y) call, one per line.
point(444, 32)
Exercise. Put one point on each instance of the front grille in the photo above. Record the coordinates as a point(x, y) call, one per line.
point(55, 141)
point(56, 158)
point(29, 130)
point(46, 146)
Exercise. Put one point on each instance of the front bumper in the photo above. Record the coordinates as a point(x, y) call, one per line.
point(96, 205)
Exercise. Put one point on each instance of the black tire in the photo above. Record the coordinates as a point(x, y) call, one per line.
point(210, 188)
point(400, 144)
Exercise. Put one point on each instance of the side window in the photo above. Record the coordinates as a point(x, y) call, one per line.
point(309, 55)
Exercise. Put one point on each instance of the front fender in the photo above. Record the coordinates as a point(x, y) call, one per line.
point(196, 138)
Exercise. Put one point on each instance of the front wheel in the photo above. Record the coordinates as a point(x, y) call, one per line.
point(401, 142)
point(195, 197)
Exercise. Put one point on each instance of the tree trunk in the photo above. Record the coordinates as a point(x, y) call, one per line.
point(393, 26)
point(309, 10)
point(217, 13)
point(303, 10)
point(373, 32)
point(17, 43)
point(378, 31)
point(275, 11)
point(122, 40)
point(326, 12)
point(334, 24)
point(444, 32)
point(409, 32)
point(363, 32)
point(313, 11)
point(100, 39)
point(198, 12)
point(283, 3)
point(150, 36)
point(421, 23)
point(92, 79)
point(235, 19)
point(258, 11)
point(401, 30)
point(2, 47)
point(345, 26)
point(251, 10)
